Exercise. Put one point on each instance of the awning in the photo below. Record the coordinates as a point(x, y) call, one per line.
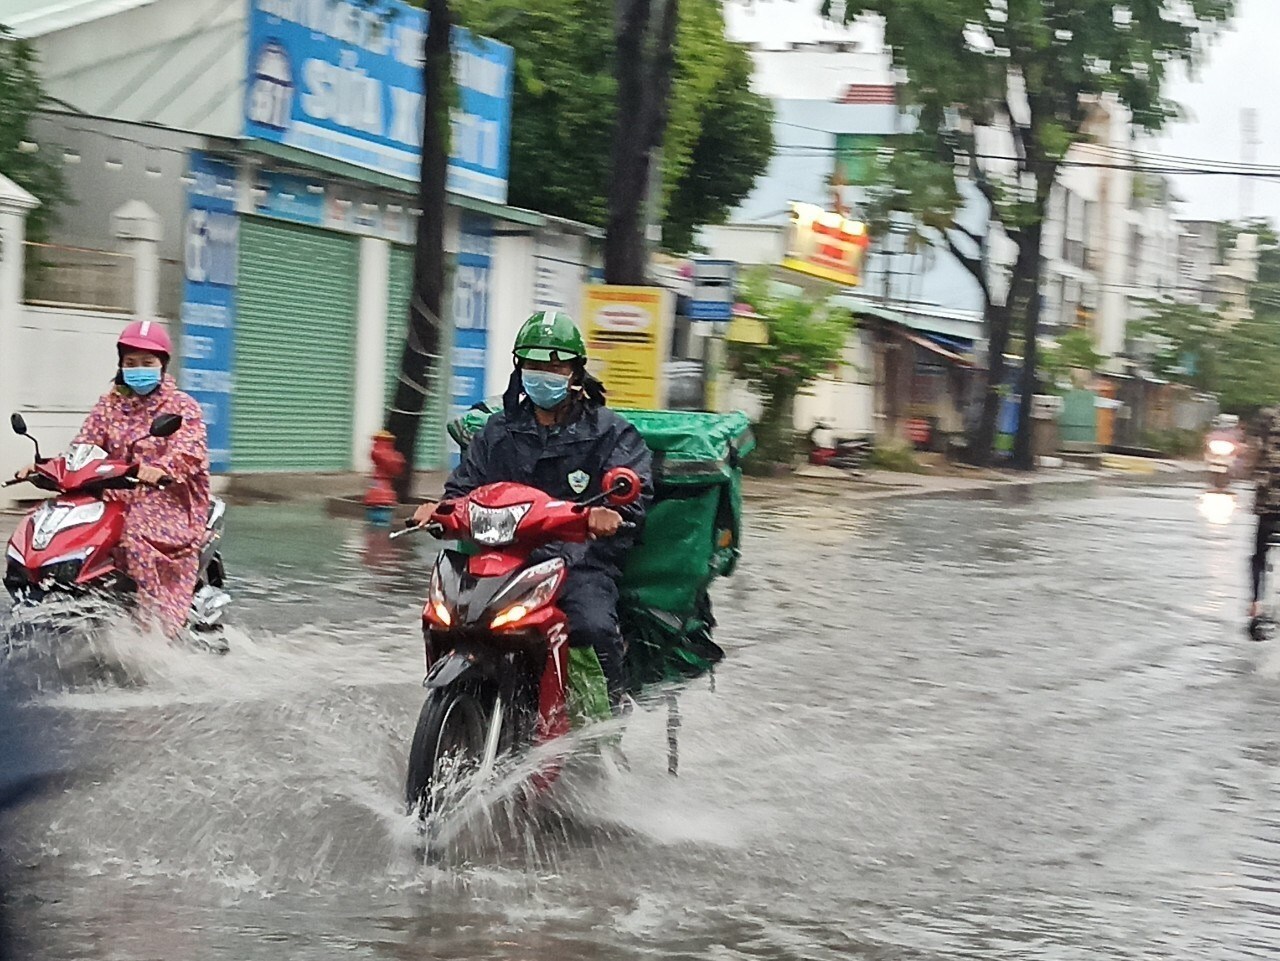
point(938, 349)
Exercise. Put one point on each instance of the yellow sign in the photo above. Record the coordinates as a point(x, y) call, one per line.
point(628, 330)
point(823, 243)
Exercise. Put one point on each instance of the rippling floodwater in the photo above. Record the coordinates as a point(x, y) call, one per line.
point(946, 729)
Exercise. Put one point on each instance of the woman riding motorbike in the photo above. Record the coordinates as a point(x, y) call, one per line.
point(164, 527)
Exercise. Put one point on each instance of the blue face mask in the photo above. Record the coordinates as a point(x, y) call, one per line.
point(142, 380)
point(545, 389)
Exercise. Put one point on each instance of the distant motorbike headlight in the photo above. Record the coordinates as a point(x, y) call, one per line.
point(1221, 448)
point(531, 592)
point(53, 518)
point(495, 526)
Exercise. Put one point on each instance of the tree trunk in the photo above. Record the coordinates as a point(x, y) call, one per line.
point(644, 86)
point(984, 439)
point(1029, 261)
point(421, 366)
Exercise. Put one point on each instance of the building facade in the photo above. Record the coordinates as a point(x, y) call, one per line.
point(277, 145)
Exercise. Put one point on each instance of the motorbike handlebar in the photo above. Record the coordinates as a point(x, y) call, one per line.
point(434, 529)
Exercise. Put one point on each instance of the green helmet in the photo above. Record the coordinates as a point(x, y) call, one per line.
point(549, 335)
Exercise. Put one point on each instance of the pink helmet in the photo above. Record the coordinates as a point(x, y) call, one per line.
point(148, 335)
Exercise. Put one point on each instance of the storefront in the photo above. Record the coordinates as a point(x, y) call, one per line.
point(295, 348)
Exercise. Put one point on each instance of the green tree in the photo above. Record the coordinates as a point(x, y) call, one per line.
point(1236, 361)
point(718, 136)
point(21, 98)
point(806, 339)
point(1035, 69)
point(1073, 351)
point(733, 144)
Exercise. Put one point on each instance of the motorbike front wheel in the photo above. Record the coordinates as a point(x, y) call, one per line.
point(448, 745)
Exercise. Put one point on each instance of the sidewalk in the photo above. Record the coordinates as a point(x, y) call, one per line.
point(879, 485)
point(341, 493)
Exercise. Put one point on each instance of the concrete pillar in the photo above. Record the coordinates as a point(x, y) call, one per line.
point(137, 227)
point(15, 204)
point(371, 348)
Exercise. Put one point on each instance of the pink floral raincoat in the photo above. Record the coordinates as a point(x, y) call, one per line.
point(163, 528)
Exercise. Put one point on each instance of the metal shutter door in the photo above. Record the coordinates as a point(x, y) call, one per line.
point(294, 356)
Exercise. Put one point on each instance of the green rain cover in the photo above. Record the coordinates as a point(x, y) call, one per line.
point(691, 536)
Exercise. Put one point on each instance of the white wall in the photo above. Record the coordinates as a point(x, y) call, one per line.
point(370, 354)
point(69, 362)
point(511, 283)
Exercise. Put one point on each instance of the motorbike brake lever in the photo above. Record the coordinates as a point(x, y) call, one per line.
point(435, 530)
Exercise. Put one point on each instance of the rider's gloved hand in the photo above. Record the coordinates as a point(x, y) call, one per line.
point(150, 475)
point(603, 522)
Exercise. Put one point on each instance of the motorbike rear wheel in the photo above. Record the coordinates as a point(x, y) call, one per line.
point(448, 745)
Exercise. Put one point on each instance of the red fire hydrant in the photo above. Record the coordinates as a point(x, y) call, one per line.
point(388, 465)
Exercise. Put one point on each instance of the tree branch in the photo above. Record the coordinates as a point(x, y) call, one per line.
point(970, 263)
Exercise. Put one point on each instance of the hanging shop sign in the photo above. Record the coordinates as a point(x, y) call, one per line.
point(628, 333)
point(343, 79)
point(470, 308)
point(211, 231)
point(825, 244)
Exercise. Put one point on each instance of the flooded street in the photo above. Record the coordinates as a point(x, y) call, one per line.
point(945, 729)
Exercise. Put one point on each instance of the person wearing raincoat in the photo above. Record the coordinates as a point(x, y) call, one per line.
point(163, 527)
point(555, 433)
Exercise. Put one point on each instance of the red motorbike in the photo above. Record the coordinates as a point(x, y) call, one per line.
point(497, 644)
point(68, 546)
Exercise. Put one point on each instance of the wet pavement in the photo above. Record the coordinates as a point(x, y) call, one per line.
point(1007, 728)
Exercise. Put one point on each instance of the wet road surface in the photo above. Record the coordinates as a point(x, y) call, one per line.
point(946, 729)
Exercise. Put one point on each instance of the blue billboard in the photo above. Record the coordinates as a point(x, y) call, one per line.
point(343, 79)
point(211, 235)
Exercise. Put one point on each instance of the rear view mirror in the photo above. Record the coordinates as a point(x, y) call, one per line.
point(165, 425)
point(622, 486)
point(19, 424)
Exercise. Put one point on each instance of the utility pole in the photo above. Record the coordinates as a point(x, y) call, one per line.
point(1249, 156)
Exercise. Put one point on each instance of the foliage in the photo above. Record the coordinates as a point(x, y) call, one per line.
point(1073, 351)
point(732, 149)
point(1237, 362)
point(719, 135)
point(1174, 443)
point(901, 460)
point(806, 340)
point(1035, 69)
point(21, 97)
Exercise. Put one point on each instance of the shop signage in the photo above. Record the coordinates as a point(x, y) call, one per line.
point(343, 79)
point(713, 286)
point(470, 308)
point(628, 332)
point(823, 243)
point(211, 241)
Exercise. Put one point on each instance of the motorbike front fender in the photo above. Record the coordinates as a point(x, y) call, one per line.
point(450, 668)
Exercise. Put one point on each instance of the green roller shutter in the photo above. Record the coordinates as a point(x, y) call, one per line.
point(294, 356)
point(431, 445)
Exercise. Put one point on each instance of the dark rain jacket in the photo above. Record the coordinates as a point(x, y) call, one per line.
point(567, 461)
point(1267, 494)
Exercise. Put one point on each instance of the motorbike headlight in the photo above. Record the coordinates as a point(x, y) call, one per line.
point(1221, 448)
point(52, 518)
point(495, 526)
point(531, 592)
